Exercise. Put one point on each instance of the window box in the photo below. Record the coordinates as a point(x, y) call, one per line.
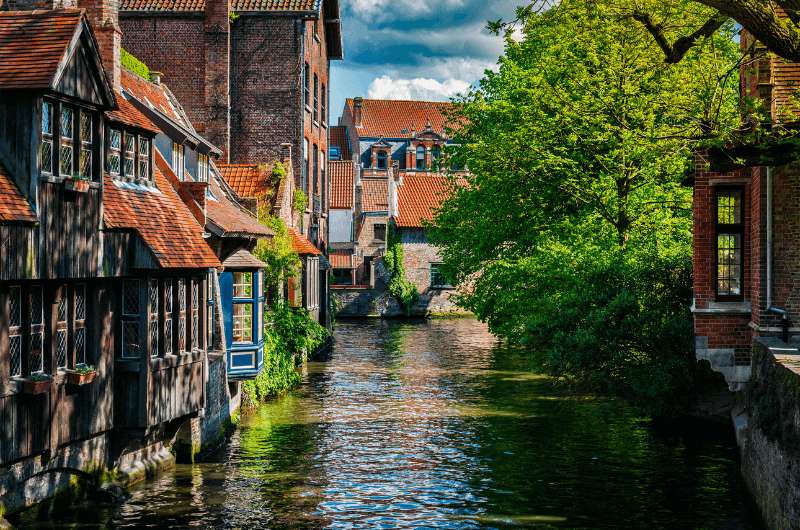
point(36, 385)
point(78, 185)
point(81, 377)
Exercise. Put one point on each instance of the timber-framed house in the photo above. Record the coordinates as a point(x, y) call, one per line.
point(103, 267)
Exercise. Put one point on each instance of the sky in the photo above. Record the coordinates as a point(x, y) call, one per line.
point(415, 49)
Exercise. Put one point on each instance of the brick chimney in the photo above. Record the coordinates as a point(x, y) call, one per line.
point(103, 16)
point(216, 43)
point(358, 104)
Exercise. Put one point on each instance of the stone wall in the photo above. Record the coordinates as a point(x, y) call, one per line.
point(418, 255)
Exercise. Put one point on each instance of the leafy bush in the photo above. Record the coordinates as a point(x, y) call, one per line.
point(400, 287)
point(134, 65)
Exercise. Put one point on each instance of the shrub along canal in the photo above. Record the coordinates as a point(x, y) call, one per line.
point(434, 424)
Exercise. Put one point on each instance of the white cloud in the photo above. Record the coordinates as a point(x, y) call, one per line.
point(386, 87)
point(390, 9)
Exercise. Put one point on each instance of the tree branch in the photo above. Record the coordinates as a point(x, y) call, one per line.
point(676, 51)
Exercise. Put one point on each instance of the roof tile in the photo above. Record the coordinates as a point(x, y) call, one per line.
point(232, 219)
point(398, 118)
point(339, 138)
point(289, 6)
point(14, 207)
point(419, 197)
point(127, 114)
point(302, 245)
point(341, 173)
point(248, 180)
point(374, 195)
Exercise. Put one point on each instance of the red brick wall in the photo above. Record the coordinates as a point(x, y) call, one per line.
point(726, 331)
point(786, 240)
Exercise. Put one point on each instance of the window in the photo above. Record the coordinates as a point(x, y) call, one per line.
point(420, 158)
point(36, 340)
point(195, 314)
point(131, 340)
point(323, 101)
point(178, 160)
point(436, 154)
point(438, 279)
point(152, 316)
point(46, 147)
point(210, 310)
point(343, 276)
point(379, 231)
point(244, 295)
point(316, 98)
point(144, 158)
point(306, 85)
point(67, 151)
point(130, 152)
point(315, 174)
point(729, 236)
point(15, 331)
point(324, 183)
point(87, 140)
point(114, 152)
point(335, 153)
point(168, 323)
point(61, 327)
point(181, 315)
point(79, 323)
point(306, 167)
point(382, 160)
point(202, 168)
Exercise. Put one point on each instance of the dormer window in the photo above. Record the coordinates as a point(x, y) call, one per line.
point(420, 158)
point(114, 152)
point(87, 141)
point(67, 151)
point(178, 161)
point(436, 154)
point(130, 152)
point(202, 168)
point(382, 159)
point(46, 148)
point(144, 158)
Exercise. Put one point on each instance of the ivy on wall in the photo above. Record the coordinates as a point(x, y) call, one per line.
point(400, 287)
point(134, 65)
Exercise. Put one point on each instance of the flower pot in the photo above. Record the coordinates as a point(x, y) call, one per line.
point(34, 388)
point(76, 185)
point(78, 379)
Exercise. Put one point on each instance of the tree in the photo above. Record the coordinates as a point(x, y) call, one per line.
point(573, 227)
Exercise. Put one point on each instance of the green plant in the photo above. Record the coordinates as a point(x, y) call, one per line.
point(300, 200)
point(134, 65)
point(233, 16)
point(39, 377)
point(400, 287)
point(277, 253)
point(84, 369)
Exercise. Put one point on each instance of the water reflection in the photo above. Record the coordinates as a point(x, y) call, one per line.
point(436, 425)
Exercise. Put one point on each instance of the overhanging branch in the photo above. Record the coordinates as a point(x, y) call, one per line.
point(676, 51)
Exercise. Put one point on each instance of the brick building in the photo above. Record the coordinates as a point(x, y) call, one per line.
point(252, 75)
point(746, 247)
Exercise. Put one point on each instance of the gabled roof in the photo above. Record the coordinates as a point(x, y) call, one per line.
point(342, 191)
point(398, 118)
point(14, 206)
point(341, 259)
point(242, 259)
point(35, 47)
point(155, 95)
point(160, 218)
point(302, 245)
point(419, 197)
point(248, 180)
point(225, 218)
point(127, 114)
point(374, 195)
point(339, 138)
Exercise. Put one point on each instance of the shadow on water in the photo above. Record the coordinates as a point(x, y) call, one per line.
point(435, 424)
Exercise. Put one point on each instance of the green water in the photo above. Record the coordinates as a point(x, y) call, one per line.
point(435, 425)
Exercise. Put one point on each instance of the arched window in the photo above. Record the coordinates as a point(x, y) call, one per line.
point(382, 159)
point(436, 154)
point(421, 158)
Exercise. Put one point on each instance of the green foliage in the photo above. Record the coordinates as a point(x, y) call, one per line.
point(277, 253)
point(134, 65)
point(233, 16)
point(84, 369)
point(288, 333)
point(573, 230)
point(299, 200)
point(39, 377)
point(400, 287)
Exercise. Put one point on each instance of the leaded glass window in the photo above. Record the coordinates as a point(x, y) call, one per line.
point(152, 305)
point(195, 315)
point(181, 315)
point(79, 323)
point(46, 147)
point(15, 331)
point(729, 242)
point(36, 340)
point(168, 323)
point(67, 150)
point(129, 155)
point(131, 336)
point(87, 140)
point(114, 152)
point(144, 158)
point(61, 327)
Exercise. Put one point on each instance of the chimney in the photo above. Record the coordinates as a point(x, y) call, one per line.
point(155, 77)
point(358, 103)
point(103, 16)
point(286, 154)
point(216, 75)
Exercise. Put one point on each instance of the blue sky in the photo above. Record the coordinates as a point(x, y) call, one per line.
point(415, 49)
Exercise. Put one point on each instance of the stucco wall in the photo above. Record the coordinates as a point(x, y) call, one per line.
point(341, 226)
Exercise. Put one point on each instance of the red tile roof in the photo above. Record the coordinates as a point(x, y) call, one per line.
point(302, 245)
point(339, 138)
point(127, 114)
point(374, 195)
point(341, 259)
point(289, 6)
point(33, 45)
point(342, 173)
point(230, 218)
point(419, 197)
point(160, 218)
point(398, 118)
point(248, 180)
point(14, 206)
point(148, 92)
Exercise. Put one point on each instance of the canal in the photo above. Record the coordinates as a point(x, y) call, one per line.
point(433, 424)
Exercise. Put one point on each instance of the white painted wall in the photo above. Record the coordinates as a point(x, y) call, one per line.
point(341, 226)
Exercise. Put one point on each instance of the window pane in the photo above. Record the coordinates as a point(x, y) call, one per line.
point(86, 128)
point(130, 298)
point(36, 357)
point(46, 156)
point(37, 313)
point(15, 354)
point(80, 345)
point(729, 207)
point(243, 323)
point(86, 163)
point(131, 346)
point(65, 167)
point(129, 152)
point(80, 302)
point(243, 284)
point(66, 123)
point(15, 294)
point(47, 118)
point(114, 146)
point(729, 254)
point(62, 306)
point(61, 348)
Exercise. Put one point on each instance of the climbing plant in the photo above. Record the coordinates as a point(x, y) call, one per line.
point(134, 65)
point(400, 287)
point(300, 200)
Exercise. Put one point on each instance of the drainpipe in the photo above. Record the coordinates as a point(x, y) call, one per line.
point(770, 309)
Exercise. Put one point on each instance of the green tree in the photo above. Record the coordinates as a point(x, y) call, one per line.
point(573, 228)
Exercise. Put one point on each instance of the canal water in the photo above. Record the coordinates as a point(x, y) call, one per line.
point(434, 424)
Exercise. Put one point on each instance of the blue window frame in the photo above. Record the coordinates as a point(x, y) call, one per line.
point(243, 312)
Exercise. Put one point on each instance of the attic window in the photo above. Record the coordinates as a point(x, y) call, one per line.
point(144, 158)
point(178, 161)
point(129, 155)
point(87, 141)
point(420, 158)
point(114, 152)
point(382, 159)
point(202, 168)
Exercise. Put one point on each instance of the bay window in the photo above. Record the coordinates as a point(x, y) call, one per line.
point(729, 243)
point(46, 147)
point(87, 145)
point(15, 331)
point(144, 158)
point(67, 147)
point(114, 152)
point(130, 153)
point(243, 307)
